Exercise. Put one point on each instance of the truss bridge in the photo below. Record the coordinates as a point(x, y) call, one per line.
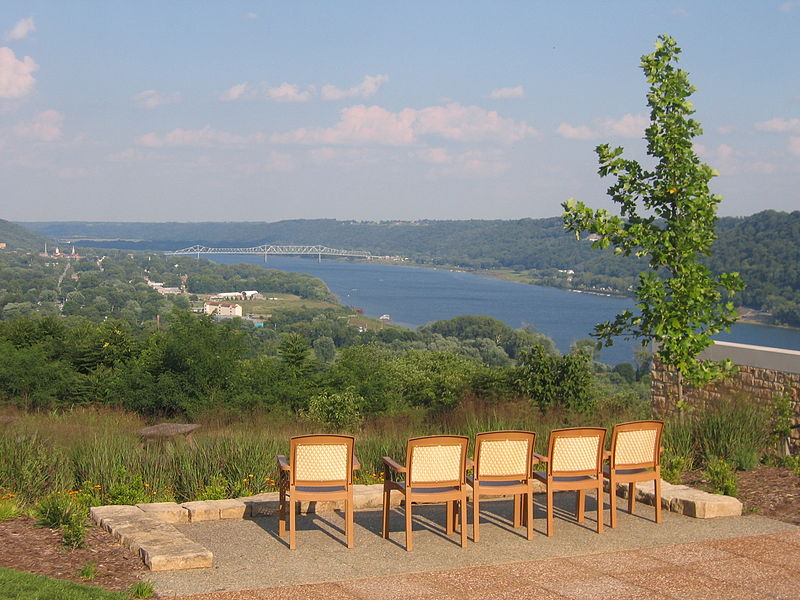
point(266, 250)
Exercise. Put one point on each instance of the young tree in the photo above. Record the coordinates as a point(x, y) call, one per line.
point(667, 215)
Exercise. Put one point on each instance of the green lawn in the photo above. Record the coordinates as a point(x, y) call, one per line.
point(17, 585)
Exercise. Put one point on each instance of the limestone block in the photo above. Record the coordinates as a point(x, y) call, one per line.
point(182, 554)
point(202, 510)
point(368, 496)
point(169, 512)
point(261, 505)
point(98, 513)
point(231, 509)
point(703, 505)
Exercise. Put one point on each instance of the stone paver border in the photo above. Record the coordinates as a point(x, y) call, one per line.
point(147, 528)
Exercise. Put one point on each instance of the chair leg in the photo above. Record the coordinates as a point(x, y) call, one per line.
point(282, 513)
point(292, 524)
point(549, 511)
point(463, 518)
point(529, 511)
point(349, 519)
point(632, 497)
point(386, 506)
point(658, 497)
point(476, 502)
point(517, 510)
point(580, 505)
point(612, 500)
point(449, 509)
point(409, 539)
point(600, 505)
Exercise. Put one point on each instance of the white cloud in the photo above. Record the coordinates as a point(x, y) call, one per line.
point(251, 16)
point(235, 92)
point(21, 29)
point(16, 79)
point(724, 152)
point(779, 125)
point(627, 126)
point(470, 123)
point(368, 87)
point(151, 98)
point(288, 92)
point(205, 137)
point(725, 129)
point(359, 125)
point(788, 6)
point(362, 124)
point(794, 145)
point(44, 127)
point(507, 92)
point(580, 132)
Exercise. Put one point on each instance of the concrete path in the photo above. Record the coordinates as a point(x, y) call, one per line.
point(681, 558)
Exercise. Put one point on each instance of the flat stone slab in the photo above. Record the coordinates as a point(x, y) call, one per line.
point(212, 510)
point(172, 556)
point(169, 512)
point(147, 532)
point(684, 500)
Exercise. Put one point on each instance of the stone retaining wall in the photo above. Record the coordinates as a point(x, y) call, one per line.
point(764, 374)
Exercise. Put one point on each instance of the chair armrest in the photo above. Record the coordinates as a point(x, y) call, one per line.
point(540, 457)
point(393, 465)
point(283, 463)
point(356, 463)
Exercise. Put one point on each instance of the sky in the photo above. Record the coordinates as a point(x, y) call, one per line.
point(262, 111)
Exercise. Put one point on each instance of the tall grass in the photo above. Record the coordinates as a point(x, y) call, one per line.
point(736, 430)
point(99, 453)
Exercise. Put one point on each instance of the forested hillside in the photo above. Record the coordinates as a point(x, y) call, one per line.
point(764, 247)
point(17, 237)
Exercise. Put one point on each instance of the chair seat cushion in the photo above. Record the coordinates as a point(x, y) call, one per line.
point(321, 489)
point(494, 484)
point(623, 472)
point(401, 485)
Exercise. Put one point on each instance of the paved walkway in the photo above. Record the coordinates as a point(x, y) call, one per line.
point(738, 557)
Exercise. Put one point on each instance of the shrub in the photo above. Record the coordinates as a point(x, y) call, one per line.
point(737, 430)
point(61, 511)
point(141, 589)
point(8, 508)
point(679, 450)
point(721, 476)
point(54, 510)
point(338, 410)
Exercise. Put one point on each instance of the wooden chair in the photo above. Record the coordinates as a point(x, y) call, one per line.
point(574, 462)
point(503, 466)
point(435, 472)
point(635, 456)
point(320, 467)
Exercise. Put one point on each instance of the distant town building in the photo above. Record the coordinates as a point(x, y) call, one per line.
point(222, 309)
point(2, 245)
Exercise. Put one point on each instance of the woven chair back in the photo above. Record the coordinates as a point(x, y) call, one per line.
point(504, 454)
point(437, 459)
point(636, 444)
point(322, 459)
point(576, 450)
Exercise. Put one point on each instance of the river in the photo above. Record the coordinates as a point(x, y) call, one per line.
point(413, 296)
